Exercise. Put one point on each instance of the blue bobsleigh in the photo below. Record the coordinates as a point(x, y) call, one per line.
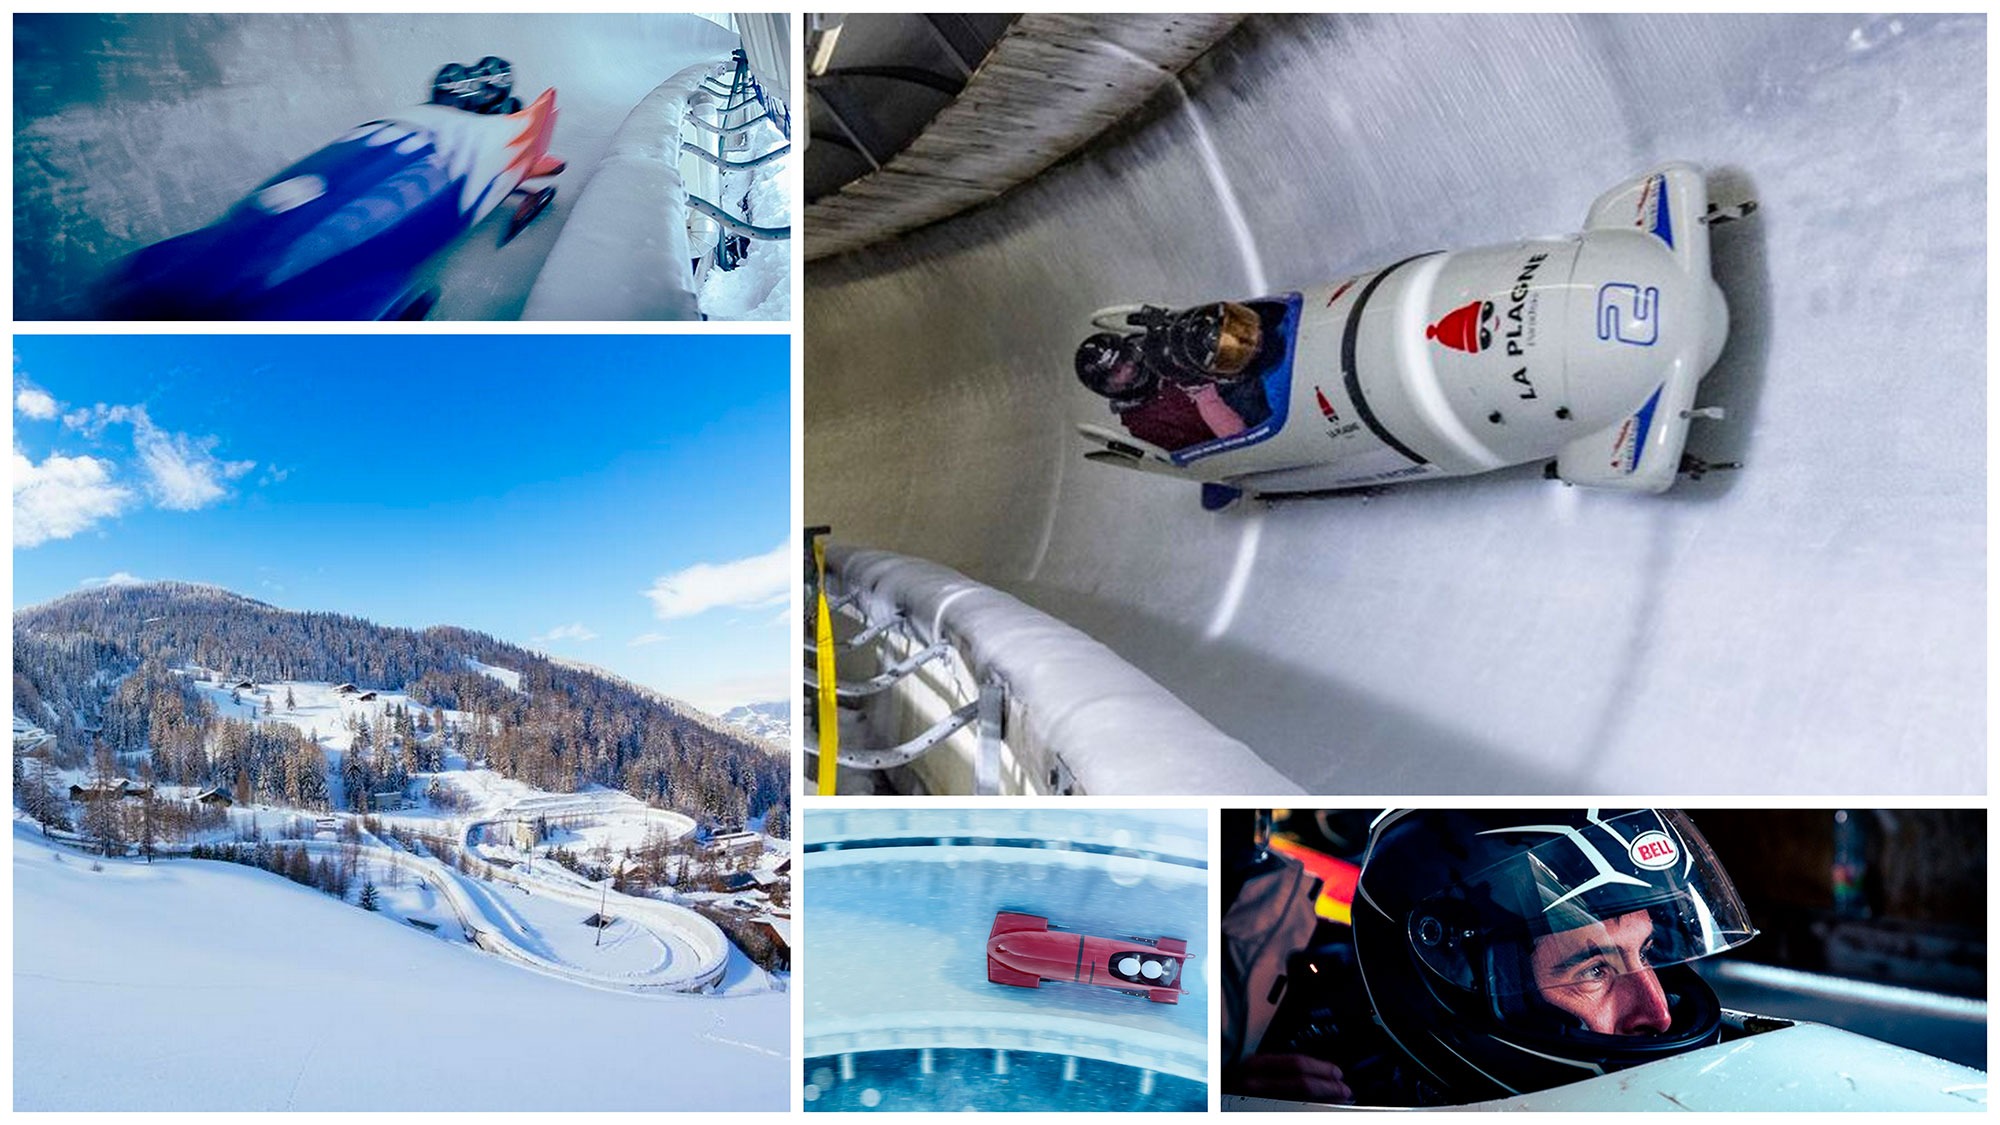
point(342, 234)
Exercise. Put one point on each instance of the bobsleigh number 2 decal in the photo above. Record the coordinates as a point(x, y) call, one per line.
point(1628, 314)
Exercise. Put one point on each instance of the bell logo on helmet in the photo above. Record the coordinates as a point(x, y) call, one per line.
point(1654, 851)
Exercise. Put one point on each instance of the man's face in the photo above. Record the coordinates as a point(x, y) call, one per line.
point(1599, 973)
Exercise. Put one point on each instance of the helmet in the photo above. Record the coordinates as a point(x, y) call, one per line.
point(1509, 951)
point(1214, 342)
point(1109, 365)
point(494, 71)
point(450, 85)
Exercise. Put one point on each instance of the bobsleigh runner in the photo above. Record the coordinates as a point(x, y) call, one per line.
point(1023, 950)
point(344, 233)
point(1587, 349)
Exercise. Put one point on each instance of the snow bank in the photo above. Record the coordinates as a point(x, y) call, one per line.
point(1072, 703)
point(623, 254)
point(205, 986)
point(760, 287)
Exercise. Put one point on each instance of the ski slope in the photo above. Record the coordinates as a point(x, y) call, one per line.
point(1809, 624)
point(130, 129)
point(901, 931)
point(205, 986)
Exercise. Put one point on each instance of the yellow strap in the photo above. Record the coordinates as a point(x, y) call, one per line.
point(829, 709)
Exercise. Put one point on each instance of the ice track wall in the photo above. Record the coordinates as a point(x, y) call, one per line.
point(1811, 624)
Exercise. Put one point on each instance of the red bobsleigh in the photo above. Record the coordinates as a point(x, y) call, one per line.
point(1022, 951)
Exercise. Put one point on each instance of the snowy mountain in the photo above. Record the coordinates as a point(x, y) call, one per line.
point(114, 665)
point(771, 720)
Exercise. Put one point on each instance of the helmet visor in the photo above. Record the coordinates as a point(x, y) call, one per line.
point(1586, 900)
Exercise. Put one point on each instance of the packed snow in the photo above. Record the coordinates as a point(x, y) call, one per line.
point(1805, 624)
point(190, 985)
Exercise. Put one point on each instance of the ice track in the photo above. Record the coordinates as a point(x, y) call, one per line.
point(901, 903)
point(1809, 624)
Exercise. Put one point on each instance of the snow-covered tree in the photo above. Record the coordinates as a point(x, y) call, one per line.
point(103, 820)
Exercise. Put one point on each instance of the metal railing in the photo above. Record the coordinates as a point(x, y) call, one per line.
point(1062, 715)
point(741, 92)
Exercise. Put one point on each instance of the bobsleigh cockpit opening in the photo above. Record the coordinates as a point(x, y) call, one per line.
point(1146, 969)
point(1195, 381)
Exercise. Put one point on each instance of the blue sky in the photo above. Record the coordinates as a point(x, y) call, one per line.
point(621, 500)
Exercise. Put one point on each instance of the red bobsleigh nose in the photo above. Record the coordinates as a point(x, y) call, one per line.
point(1458, 328)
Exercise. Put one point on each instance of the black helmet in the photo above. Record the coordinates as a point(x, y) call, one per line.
point(1509, 951)
point(450, 85)
point(494, 71)
point(1109, 364)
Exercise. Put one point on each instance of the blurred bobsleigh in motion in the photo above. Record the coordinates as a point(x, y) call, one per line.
point(344, 233)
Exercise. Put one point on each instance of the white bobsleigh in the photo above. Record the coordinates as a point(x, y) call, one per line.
point(1763, 1064)
point(1587, 349)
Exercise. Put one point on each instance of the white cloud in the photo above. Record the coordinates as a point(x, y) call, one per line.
point(35, 402)
point(645, 639)
point(752, 583)
point(718, 696)
point(63, 496)
point(574, 631)
point(182, 473)
point(119, 579)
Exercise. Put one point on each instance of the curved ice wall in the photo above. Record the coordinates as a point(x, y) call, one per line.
point(1812, 623)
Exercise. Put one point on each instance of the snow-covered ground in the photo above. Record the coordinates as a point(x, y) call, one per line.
point(520, 914)
point(760, 287)
point(205, 986)
point(1807, 624)
point(135, 128)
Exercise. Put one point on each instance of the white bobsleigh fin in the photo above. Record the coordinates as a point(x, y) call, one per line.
point(1125, 451)
point(1668, 203)
point(1642, 453)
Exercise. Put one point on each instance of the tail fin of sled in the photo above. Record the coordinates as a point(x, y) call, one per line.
point(1001, 974)
point(1007, 922)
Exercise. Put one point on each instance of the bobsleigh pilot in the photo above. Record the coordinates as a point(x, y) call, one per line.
point(1504, 952)
point(1181, 381)
point(485, 87)
point(1163, 412)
